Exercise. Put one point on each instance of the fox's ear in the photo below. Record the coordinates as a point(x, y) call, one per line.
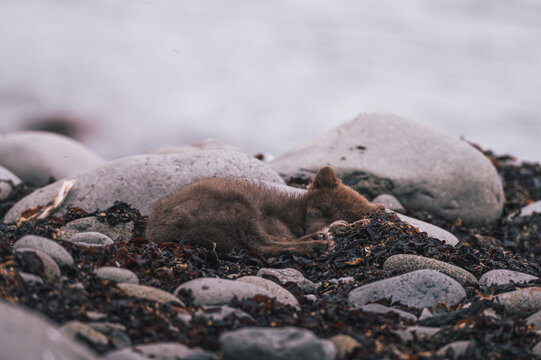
point(325, 179)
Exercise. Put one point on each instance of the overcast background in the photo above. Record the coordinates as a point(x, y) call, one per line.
point(267, 75)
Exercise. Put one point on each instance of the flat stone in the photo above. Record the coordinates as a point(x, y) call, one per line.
point(281, 294)
point(118, 275)
point(49, 268)
point(404, 263)
point(528, 210)
point(219, 313)
point(423, 168)
point(26, 335)
point(382, 309)
point(38, 156)
point(389, 201)
point(458, 347)
point(7, 181)
point(75, 329)
point(502, 277)
point(524, 300)
point(416, 332)
point(420, 288)
point(289, 275)
point(123, 231)
point(431, 230)
point(91, 239)
point(148, 293)
point(345, 345)
point(49, 247)
point(215, 291)
point(534, 320)
point(160, 351)
point(286, 343)
point(143, 180)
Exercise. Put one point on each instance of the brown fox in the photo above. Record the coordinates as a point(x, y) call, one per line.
point(233, 213)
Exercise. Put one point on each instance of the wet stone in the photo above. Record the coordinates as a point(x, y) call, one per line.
point(91, 239)
point(281, 294)
point(420, 288)
point(118, 275)
point(46, 265)
point(289, 275)
point(404, 263)
point(75, 329)
point(215, 291)
point(160, 351)
point(123, 231)
point(148, 293)
point(275, 344)
point(502, 277)
point(521, 300)
point(382, 309)
point(49, 247)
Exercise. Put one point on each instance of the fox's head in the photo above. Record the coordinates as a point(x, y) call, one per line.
point(329, 200)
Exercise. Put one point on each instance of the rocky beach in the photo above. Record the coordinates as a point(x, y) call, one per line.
point(449, 270)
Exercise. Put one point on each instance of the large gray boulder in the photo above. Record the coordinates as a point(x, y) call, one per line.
point(26, 335)
point(423, 168)
point(38, 156)
point(143, 180)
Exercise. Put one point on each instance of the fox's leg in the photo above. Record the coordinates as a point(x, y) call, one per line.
point(299, 247)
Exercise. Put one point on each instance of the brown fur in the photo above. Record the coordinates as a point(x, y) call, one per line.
point(234, 213)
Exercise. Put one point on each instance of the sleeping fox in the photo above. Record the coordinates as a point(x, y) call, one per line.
point(233, 213)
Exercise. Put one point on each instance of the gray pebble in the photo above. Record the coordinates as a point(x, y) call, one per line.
point(91, 239)
point(30, 278)
point(160, 351)
point(49, 247)
point(7, 181)
point(76, 329)
point(404, 263)
point(281, 294)
point(49, 268)
point(536, 350)
point(502, 277)
point(431, 230)
point(458, 347)
point(421, 288)
point(382, 309)
point(416, 332)
point(219, 313)
point(118, 275)
point(148, 293)
point(289, 275)
point(535, 320)
point(524, 300)
point(114, 331)
point(389, 201)
point(287, 343)
point(530, 209)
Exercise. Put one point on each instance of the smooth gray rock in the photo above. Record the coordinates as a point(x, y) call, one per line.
point(502, 277)
point(27, 335)
point(423, 168)
point(431, 230)
point(160, 351)
point(287, 343)
point(118, 275)
point(148, 293)
point(215, 291)
point(77, 329)
point(534, 320)
point(30, 278)
point(49, 247)
point(413, 332)
point(389, 201)
point(143, 180)
point(91, 239)
point(458, 347)
point(219, 313)
point(289, 275)
point(38, 156)
point(122, 231)
point(536, 350)
point(281, 294)
point(528, 210)
point(7, 181)
point(404, 263)
point(523, 300)
point(421, 288)
point(382, 309)
point(49, 267)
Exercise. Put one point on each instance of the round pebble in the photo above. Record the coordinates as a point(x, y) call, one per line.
point(503, 277)
point(118, 275)
point(281, 294)
point(48, 267)
point(289, 275)
point(148, 293)
point(382, 309)
point(49, 247)
point(389, 201)
point(524, 300)
point(75, 329)
point(91, 239)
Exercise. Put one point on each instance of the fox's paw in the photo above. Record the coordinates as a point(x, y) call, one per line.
point(318, 247)
point(337, 228)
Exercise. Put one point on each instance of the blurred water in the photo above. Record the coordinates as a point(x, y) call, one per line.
point(267, 75)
